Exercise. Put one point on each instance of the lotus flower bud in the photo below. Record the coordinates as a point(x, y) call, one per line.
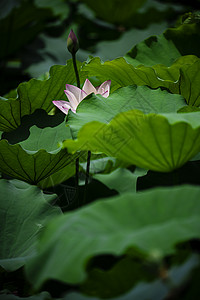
point(72, 42)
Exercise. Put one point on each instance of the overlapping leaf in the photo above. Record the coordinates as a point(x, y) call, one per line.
point(189, 83)
point(159, 142)
point(122, 73)
point(38, 157)
point(46, 138)
point(152, 51)
point(32, 168)
point(174, 42)
point(108, 227)
point(23, 212)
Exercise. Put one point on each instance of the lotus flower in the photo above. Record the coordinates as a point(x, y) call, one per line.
point(76, 95)
point(72, 42)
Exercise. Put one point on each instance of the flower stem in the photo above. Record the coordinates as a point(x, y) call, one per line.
point(77, 181)
point(77, 160)
point(75, 69)
point(87, 176)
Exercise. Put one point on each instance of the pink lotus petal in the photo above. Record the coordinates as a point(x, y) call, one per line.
point(75, 95)
point(83, 95)
point(88, 87)
point(64, 106)
point(74, 90)
point(105, 94)
point(72, 99)
point(103, 88)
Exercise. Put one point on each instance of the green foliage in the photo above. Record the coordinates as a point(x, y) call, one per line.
point(38, 157)
point(157, 289)
point(159, 142)
point(174, 41)
point(117, 280)
point(128, 271)
point(41, 296)
point(173, 78)
point(18, 27)
point(189, 108)
point(24, 209)
point(58, 7)
point(189, 88)
point(108, 227)
point(46, 138)
point(152, 51)
point(131, 232)
point(121, 14)
point(121, 180)
point(10, 114)
point(185, 38)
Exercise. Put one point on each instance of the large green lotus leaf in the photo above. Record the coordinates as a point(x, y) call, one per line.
point(153, 141)
point(97, 108)
point(123, 73)
point(189, 83)
point(153, 51)
point(33, 167)
point(36, 94)
point(23, 211)
point(171, 75)
point(149, 221)
point(174, 41)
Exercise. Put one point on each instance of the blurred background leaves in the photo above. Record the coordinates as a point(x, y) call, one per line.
point(33, 33)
